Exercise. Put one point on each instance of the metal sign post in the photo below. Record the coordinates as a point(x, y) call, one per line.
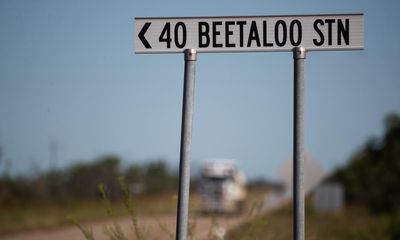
point(299, 54)
point(296, 33)
point(186, 144)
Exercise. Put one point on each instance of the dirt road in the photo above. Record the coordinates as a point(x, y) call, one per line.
point(158, 227)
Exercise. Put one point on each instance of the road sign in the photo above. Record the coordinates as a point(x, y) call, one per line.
point(296, 33)
point(313, 174)
point(249, 34)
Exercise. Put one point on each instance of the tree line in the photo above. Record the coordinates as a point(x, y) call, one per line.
point(372, 176)
point(80, 181)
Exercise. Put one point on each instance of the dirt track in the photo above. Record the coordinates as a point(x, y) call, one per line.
point(203, 227)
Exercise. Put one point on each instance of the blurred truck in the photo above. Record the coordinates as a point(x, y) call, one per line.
point(222, 187)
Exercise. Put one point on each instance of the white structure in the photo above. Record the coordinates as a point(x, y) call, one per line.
point(329, 197)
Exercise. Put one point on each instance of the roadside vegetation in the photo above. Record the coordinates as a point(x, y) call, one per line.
point(14, 219)
point(372, 176)
point(355, 223)
point(371, 179)
point(55, 198)
point(79, 182)
point(44, 200)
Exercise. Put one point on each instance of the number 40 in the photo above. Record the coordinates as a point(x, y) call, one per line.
point(179, 28)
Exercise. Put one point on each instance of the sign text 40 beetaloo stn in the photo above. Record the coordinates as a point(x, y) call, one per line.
point(242, 34)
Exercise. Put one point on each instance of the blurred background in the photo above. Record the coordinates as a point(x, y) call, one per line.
point(78, 108)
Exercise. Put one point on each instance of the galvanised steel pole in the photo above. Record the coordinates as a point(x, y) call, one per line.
point(186, 145)
point(299, 54)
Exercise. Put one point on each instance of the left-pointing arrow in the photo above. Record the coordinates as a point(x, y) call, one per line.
point(141, 35)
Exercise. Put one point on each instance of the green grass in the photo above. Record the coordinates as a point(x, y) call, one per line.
point(34, 216)
point(23, 218)
point(352, 224)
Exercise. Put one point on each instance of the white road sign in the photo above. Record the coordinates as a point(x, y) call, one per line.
point(249, 34)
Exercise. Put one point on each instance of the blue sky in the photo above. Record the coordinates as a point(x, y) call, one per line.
point(68, 74)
